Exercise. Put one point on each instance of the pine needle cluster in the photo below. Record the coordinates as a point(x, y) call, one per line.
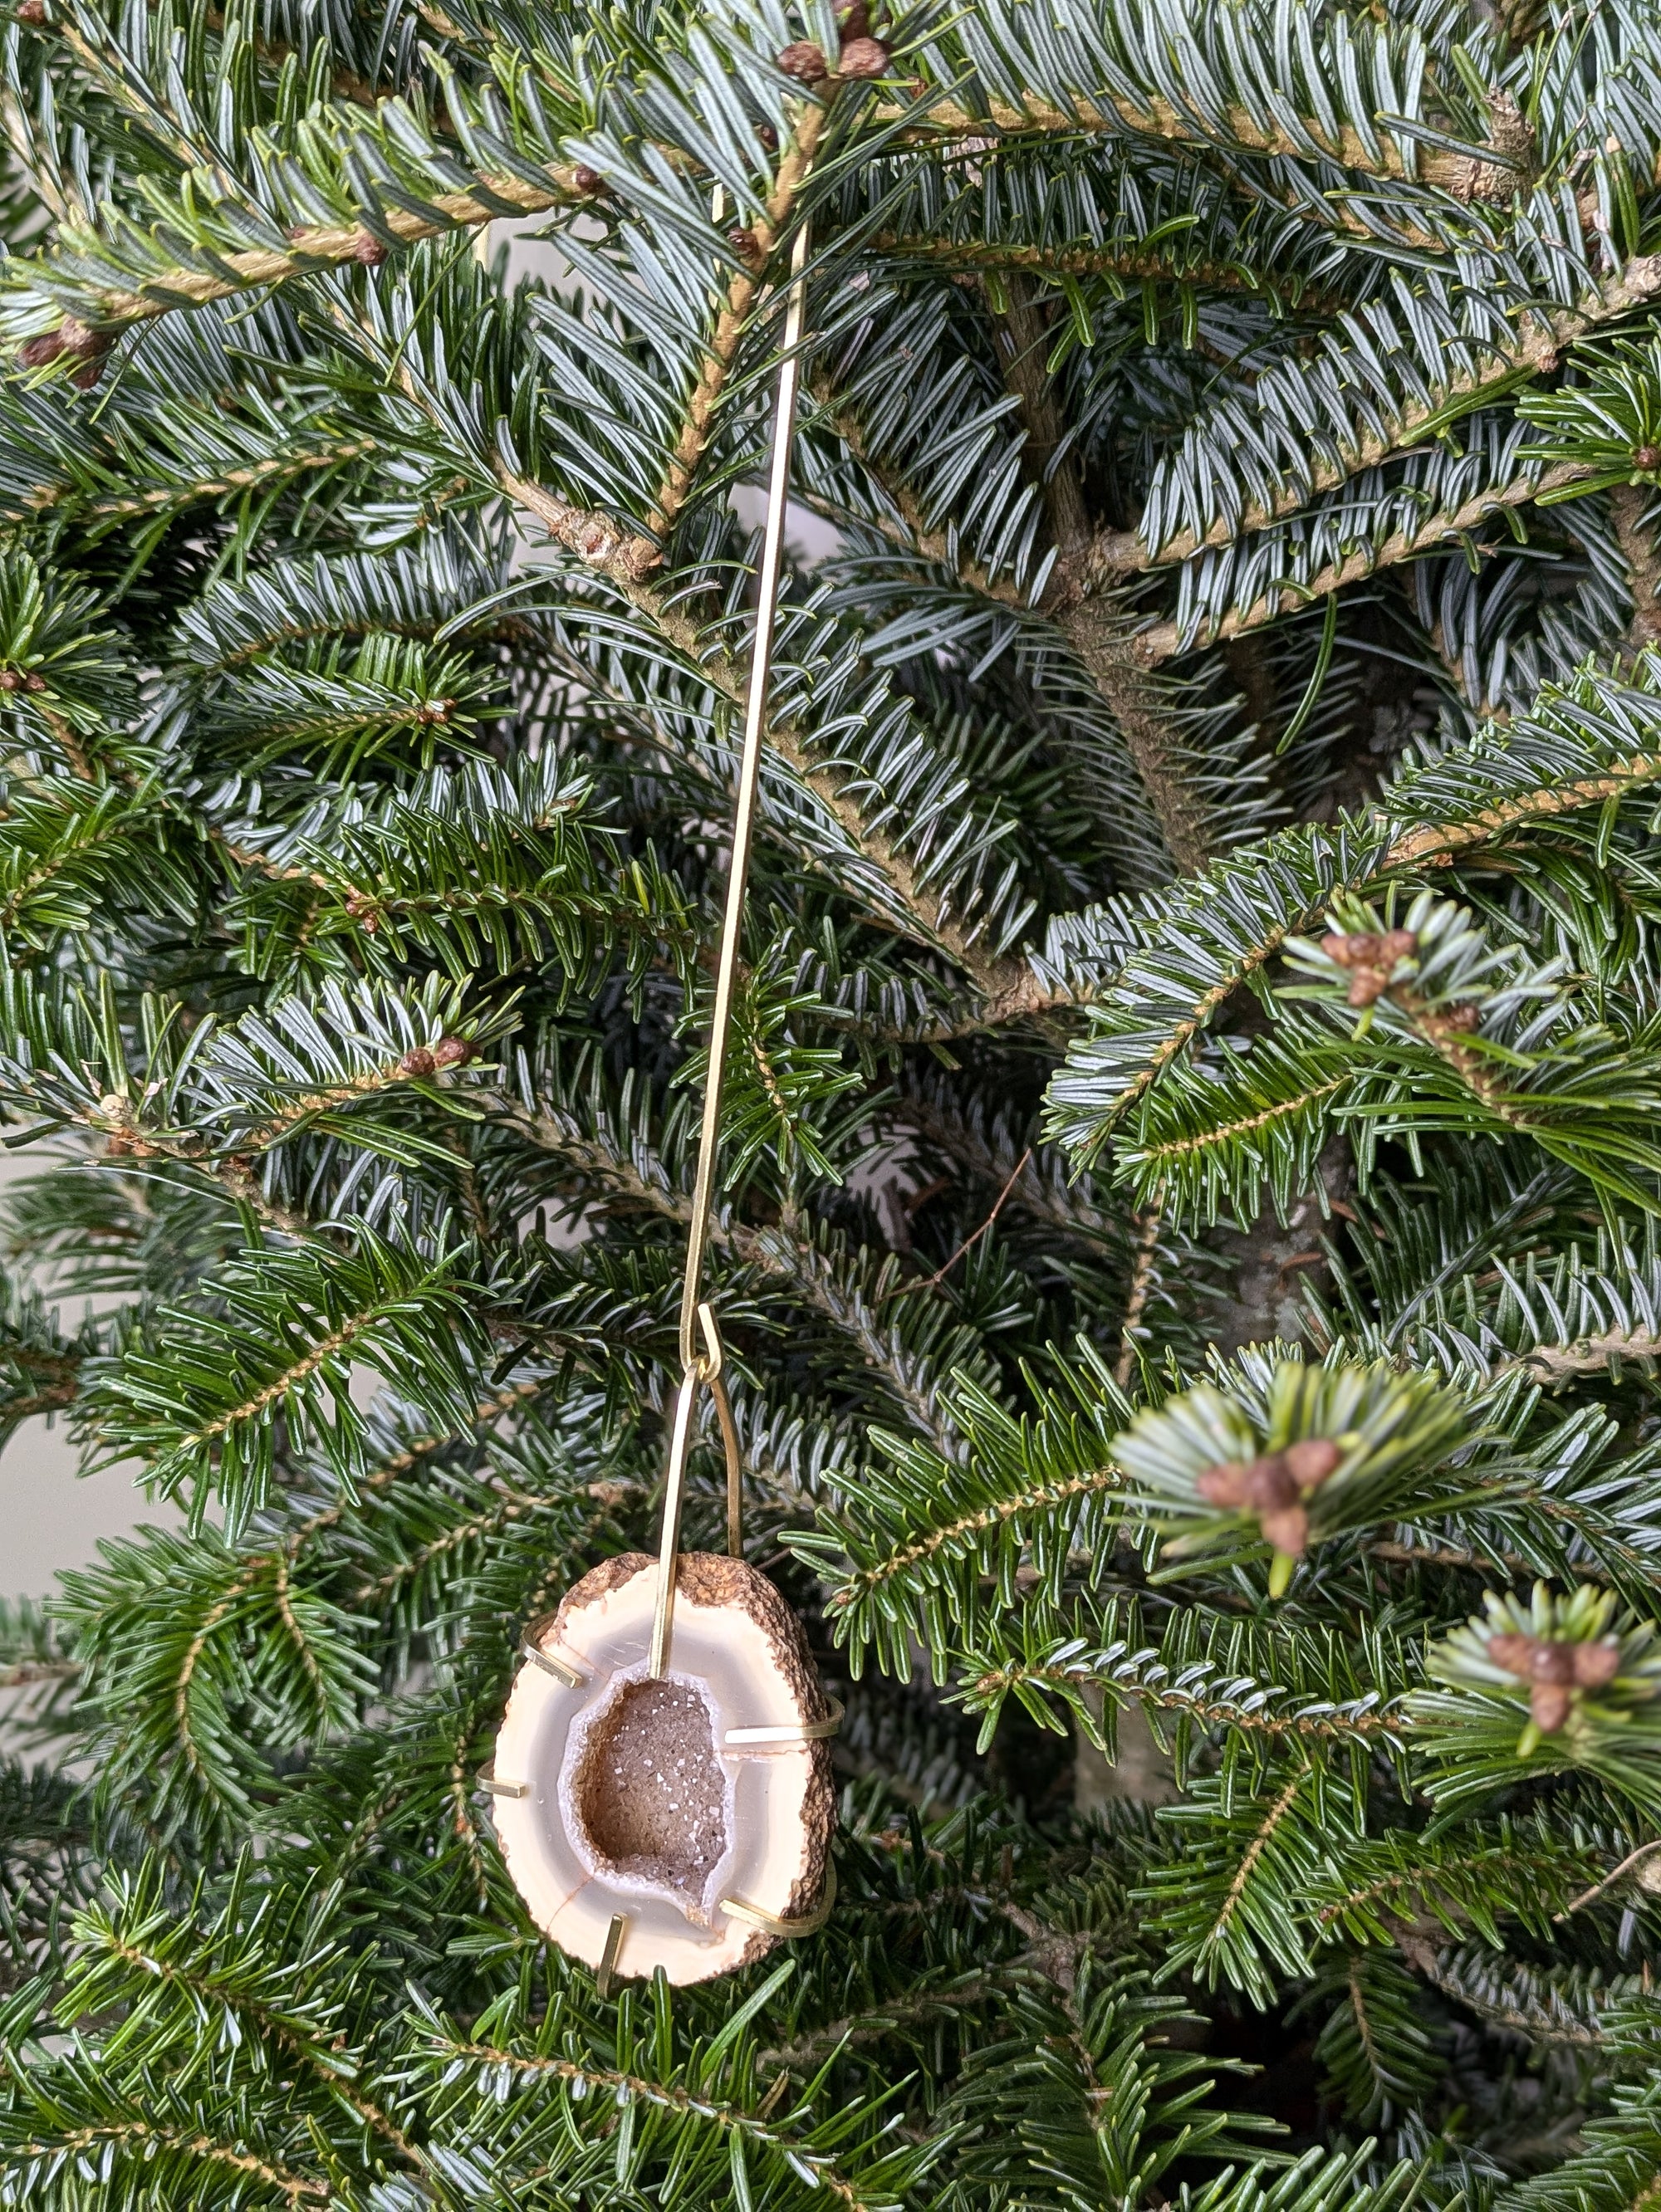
point(1187, 1246)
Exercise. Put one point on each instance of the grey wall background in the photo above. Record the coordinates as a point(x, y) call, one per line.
point(50, 1518)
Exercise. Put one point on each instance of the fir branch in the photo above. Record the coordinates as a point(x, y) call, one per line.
point(387, 1472)
point(147, 2139)
point(1444, 841)
point(1607, 1551)
point(1630, 508)
point(1007, 985)
point(1141, 1282)
point(287, 1327)
point(808, 2052)
point(1132, 263)
point(824, 1287)
point(1159, 641)
point(310, 1106)
point(603, 1164)
point(276, 468)
point(1260, 1842)
point(911, 530)
point(626, 558)
point(1102, 640)
point(1595, 725)
point(315, 247)
point(991, 1685)
point(1444, 1555)
point(1225, 1134)
point(345, 82)
point(326, 2061)
point(671, 2097)
point(113, 1119)
point(1403, 1892)
point(1236, 127)
point(1588, 1355)
point(744, 291)
point(968, 1528)
point(1486, 1994)
point(184, 1727)
point(511, 1506)
point(780, 1253)
point(1534, 349)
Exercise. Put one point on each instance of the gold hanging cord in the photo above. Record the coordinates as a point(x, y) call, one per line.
point(700, 1339)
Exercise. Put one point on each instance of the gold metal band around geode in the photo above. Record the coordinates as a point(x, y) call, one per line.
point(782, 1734)
point(770, 1923)
point(551, 1663)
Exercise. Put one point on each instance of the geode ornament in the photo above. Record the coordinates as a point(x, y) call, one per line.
point(682, 1821)
point(661, 1776)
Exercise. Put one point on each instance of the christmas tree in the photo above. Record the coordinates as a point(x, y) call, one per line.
point(1186, 1247)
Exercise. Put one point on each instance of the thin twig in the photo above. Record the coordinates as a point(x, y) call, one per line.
point(933, 1282)
point(1640, 1857)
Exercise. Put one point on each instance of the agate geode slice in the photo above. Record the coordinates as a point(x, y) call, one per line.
point(636, 1801)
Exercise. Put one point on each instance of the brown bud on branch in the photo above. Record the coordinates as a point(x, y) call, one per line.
point(73, 337)
point(1276, 1488)
point(1553, 1672)
point(863, 57)
point(804, 61)
point(36, 352)
point(1370, 959)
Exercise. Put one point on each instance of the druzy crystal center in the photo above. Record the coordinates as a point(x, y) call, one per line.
point(651, 1793)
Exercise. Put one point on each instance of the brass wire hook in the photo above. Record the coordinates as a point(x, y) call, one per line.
point(704, 1372)
point(701, 1355)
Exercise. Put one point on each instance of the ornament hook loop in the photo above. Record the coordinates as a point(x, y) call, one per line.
point(704, 1370)
point(708, 1361)
point(713, 1364)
